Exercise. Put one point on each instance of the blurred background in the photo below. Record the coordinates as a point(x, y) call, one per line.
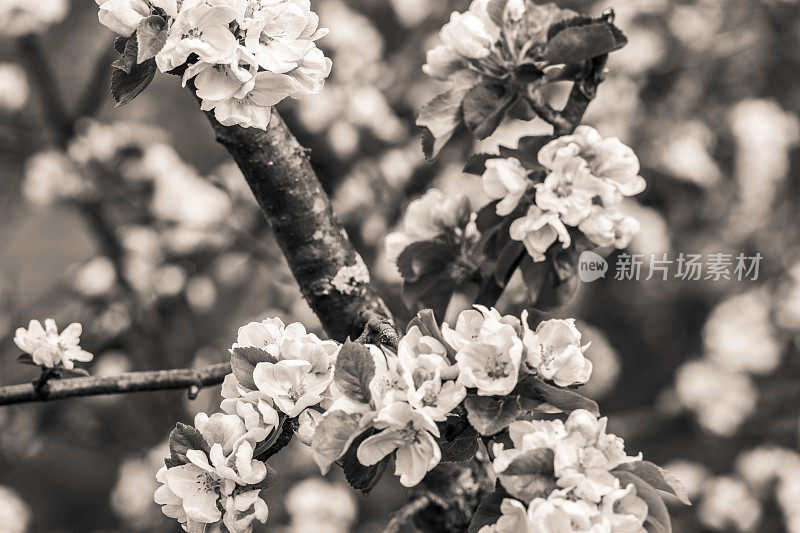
point(135, 223)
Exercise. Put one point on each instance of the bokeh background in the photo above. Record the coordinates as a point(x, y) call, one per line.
point(135, 223)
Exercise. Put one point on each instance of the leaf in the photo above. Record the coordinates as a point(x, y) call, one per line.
point(182, 439)
point(70, 372)
point(565, 399)
point(538, 461)
point(128, 59)
point(488, 511)
point(527, 150)
point(658, 478)
point(26, 359)
point(120, 43)
point(425, 257)
point(151, 35)
point(441, 116)
point(488, 217)
point(360, 477)
point(477, 163)
point(127, 86)
point(484, 107)
point(244, 360)
point(579, 43)
point(490, 415)
point(508, 261)
point(354, 370)
point(658, 520)
point(432, 291)
point(333, 436)
point(462, 448)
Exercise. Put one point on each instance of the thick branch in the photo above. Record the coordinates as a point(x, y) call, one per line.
point(331, 274)
point(192, 378)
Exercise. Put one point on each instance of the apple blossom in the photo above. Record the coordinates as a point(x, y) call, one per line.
point(624, 510)
point(292, 384)
point(538, 230)
point(411, 434)
point(122, 16)
point(513, 519)
point(48, 348)
point(555, 353)
point(505, 180)
point(561, 515)
point(468, 35)
point(568, 191)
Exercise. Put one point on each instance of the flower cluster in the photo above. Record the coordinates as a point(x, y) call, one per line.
point(574, 487)
point(588, 176)
point(215, 480)
point(48, 348)
point(242, 57)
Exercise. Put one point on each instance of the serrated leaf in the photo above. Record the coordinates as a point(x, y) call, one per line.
point(354, 370)
point(441, 117)
point(128, 59)
point(244, 360)
point(484, 107)
point(462, 448)
point(658, 520)
point(576, 44)
point(538, 461)
point(490, 415)
point(333, 436)
point(151, 35)
point(120, 43)
point(360, 477)
point(182, 439)
point(488, 511)
point(658, 478)
point(567, 400)
point(127, 86)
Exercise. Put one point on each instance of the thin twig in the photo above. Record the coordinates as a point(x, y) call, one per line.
point(406, 513)
point(193, 379)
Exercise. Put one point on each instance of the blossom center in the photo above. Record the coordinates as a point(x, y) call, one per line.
point(296, 391)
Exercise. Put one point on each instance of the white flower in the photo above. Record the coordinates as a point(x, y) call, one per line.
point(442, 62)
point(292, 384)
point(491, 362)
point(51, 176)
point(609, 160)
point(201, 29)
point(48, 348)
point(538, 230)
point(281, 35)
point(554, 351)
point(513, 519)
point(505, 180)
point(14, 89)
point(242, 509)
point(560, 515)
point(412, 435)
point(468, 35)
point(122, 16)
point(316, 504)
point(428, 217)
point(728, 505)
point(307, 425)
point(311, 73)
point(253, 110)
point(624, 510)
point(609, 227)
point(568, 191)
point(253, 407)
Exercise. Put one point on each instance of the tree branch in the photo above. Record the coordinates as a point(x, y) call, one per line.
point(192, 378)
point(331, 274)
point(406, 513)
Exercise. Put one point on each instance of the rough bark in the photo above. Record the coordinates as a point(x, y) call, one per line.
point(331, 274)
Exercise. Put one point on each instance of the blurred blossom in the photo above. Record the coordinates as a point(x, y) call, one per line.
point(645, 50)
point(685, 152)
point(102, 143)
point(788, 496)
point(15, 515)
point(231, 268)
point(695, 23)
point(727, 505)
point(411, 12)
point(169, 280)
point(616, 107)
point(343, 138)
point(399, 164)
point(720, 399)
point(356, 44)
point(20, 17)
point(692, 475)
point(132, 495)
point(201, 293)
point(96, 277)
point(654, 233)
point(321, 506)
point(113, 321)
point(111, 363)
point(763, 465)
point(50, 176)
point(19, 438)
point(787, 314)
point(605, 363)
point(739, 335)
point(14, 87)
point(764, 134)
